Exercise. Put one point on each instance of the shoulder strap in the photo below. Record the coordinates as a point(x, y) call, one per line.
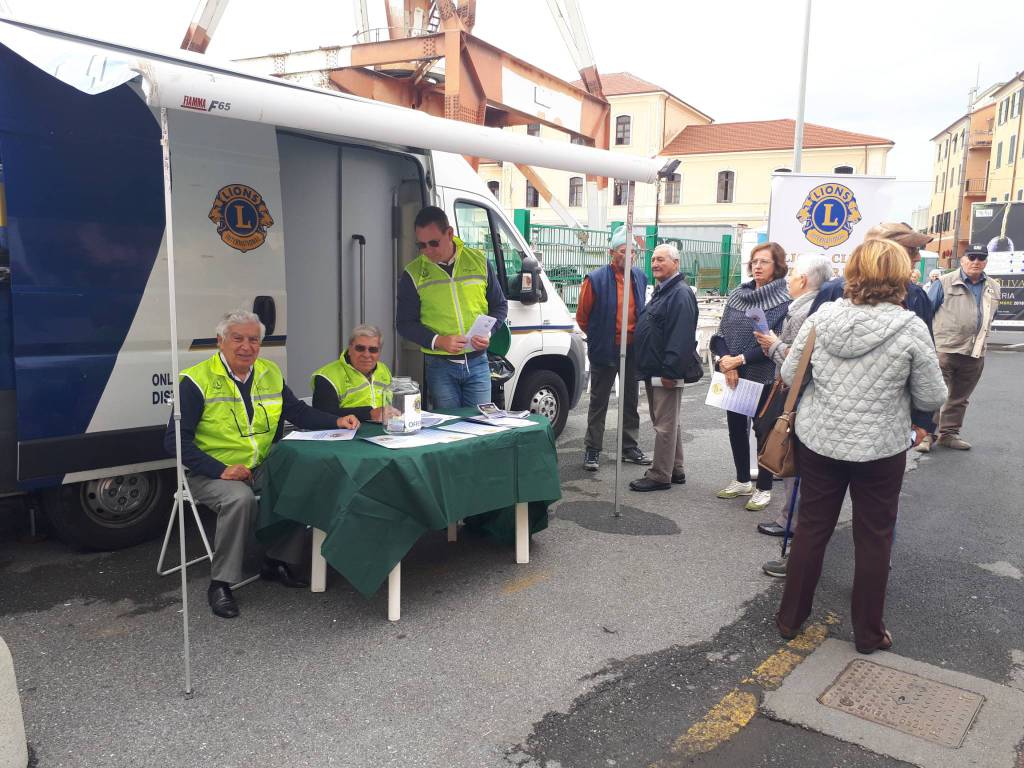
point(801, 371)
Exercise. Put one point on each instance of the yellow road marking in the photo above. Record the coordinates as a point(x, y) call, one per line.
point(772, 671)
point(518, 585)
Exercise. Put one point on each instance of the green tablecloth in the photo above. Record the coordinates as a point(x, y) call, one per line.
point(373, 503)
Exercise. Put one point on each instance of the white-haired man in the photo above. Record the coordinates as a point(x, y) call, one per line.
point(665, 340)
point(233, 406)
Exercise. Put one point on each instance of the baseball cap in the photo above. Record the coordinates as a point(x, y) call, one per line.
point(899, 232)
point(979, 248)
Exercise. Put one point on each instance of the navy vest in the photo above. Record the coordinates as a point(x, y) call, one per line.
point(602, 343)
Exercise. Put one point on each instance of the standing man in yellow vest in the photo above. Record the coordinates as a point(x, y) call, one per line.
point(440, 295)
point(232, 410)
point(354, 384)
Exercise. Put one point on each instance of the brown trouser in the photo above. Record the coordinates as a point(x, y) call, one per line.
point(961, 373)
point(668, 440)
point(875, 492)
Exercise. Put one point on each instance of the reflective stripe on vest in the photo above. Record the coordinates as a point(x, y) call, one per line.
point(354, 390)
point(225, 431)
point(449, 305)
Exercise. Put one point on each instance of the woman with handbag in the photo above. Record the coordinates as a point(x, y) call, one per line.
point(805, 277)
point(871, 362)
point(738, 356)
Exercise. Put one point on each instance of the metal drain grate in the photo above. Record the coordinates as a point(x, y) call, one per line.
point(908, 703)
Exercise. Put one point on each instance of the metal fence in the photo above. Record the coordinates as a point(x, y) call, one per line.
point(568, 255)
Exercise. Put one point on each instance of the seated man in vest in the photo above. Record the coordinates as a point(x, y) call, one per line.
point(353, 385)
point(232, 410)
point(440, 295)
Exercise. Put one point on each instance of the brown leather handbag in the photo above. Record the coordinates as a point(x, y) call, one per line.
point(778, 451)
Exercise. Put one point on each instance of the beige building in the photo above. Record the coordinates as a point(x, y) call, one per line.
point(1007, 147)
point(724, 176)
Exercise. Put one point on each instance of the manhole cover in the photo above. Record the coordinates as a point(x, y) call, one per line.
point(908, 703)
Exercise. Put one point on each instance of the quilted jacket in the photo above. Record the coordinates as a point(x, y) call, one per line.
point(870, 365)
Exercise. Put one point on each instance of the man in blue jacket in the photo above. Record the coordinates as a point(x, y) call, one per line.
point(665, 340)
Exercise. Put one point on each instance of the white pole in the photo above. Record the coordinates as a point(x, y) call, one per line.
point(180, 493)
point(626, 294)
point(798, 138)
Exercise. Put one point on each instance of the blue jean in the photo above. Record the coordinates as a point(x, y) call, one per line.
point(458, 384)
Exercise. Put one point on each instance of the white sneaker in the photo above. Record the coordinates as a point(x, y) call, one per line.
point(736, 488)
point(759, 501)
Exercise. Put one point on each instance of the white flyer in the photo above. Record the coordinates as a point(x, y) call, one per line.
point(474, 428)
point(429, 419)
point(321, 434)
point(743, 399)
point(504, 421)
point(418, 439)
point(481, 326)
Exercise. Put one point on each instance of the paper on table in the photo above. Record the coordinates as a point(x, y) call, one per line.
point(481, 326)
point(321, 434)
point(474, 428)
point(743, 399)
point(504, 421)
point(417, 440)
point(428, 419)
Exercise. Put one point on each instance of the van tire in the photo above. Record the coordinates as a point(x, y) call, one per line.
point(543, 392)
point(80, 518)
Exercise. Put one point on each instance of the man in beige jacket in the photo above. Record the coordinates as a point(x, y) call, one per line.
point(965, 303)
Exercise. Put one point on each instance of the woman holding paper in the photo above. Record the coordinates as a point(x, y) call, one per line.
point(764, 301)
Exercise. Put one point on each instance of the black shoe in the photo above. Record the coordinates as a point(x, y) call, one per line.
point(646, 484)
point(679, 478)
point(636, 456)
point(275, 570)
point(222, 602)
point(591, 460)
point(771, 529)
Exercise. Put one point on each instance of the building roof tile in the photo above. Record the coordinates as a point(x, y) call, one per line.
point(761, 135)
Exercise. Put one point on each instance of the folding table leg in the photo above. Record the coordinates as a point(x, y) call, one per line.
point(395, 592)
point(453, 531)
point(522, 532)
point(318, 576)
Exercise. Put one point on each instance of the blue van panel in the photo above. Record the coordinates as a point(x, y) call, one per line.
point(84, 187)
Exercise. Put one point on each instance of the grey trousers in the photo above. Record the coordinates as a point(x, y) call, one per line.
point(961, 373)
point(236, 507)
point(668, 439)
point(602, 379)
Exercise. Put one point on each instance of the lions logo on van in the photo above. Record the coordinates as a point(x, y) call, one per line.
point(828, 214)
point(241, 216)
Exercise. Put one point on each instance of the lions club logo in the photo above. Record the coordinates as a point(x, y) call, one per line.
point(241, 217)
point(828, 214)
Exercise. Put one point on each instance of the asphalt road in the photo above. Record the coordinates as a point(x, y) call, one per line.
point(606, 650)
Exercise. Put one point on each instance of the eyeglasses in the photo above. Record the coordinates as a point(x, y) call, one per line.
point(364, 348)
point(255, 418)
point(431, 243)
point(761, 262)
point(977, 256)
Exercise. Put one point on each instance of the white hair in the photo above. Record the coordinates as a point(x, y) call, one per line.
point(816, 267)
point(935, 273)
point(365, 329)
point(239, 317)
point(669, 248)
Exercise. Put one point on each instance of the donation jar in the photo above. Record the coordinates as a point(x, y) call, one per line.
point(402, 406)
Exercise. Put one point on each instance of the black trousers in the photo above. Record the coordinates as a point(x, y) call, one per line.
point(739, 441)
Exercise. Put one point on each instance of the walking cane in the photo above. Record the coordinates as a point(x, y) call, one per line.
point(789, 518)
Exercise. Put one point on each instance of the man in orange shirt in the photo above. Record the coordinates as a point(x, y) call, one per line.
point(599, 315)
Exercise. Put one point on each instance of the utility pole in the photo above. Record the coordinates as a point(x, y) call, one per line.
point(798, 138)
point(957, 216)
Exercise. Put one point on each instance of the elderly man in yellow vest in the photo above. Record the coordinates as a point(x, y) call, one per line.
point(232, 410)
point(440, 295)
point(354, 384)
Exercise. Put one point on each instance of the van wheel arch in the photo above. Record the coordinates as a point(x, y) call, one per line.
point(544, 386)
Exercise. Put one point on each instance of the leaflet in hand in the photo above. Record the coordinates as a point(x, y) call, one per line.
point(760, 321)
point(743, 399)
point(481, 326)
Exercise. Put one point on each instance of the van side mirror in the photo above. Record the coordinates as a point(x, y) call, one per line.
point(531, 287)
point(265, 309)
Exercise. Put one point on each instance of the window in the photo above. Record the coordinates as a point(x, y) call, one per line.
point(1011, 150)
point(579, 140)
point(533, 129)
point(1006, 197)
point(1020, 194)
point(622, 129)
point(954, 142)
point(945, 148)
point(673, 189)
point(937, 187)
point(495, 188)
point(999, 155)
point(532, 198)
point(619, 192)
point(480, 228)
point(726, 186)
point(575, 191)
point(849, 168)
point(783, 170)
point(952, 177)
point(938, 153)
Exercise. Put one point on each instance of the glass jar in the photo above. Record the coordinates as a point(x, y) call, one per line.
point(402, 406)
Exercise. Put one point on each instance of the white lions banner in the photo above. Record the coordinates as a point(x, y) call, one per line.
point(827, 214)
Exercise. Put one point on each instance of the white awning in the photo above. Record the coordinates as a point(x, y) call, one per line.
point(178, 81)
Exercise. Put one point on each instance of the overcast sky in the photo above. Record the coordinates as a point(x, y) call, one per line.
point(900, 69)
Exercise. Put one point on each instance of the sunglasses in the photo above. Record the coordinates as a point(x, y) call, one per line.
point(431, 243)
point(364, 348)
point(977, 256)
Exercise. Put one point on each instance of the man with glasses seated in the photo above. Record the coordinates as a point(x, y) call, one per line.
point(440, 295)
point(233, 406)
point(353, 385)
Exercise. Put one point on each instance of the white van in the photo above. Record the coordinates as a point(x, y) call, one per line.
point(294, 202)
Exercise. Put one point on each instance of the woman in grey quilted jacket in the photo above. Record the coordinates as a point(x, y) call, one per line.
point(872, 361)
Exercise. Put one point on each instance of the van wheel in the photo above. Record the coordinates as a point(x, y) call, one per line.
point(545, 393)
point(111, 512)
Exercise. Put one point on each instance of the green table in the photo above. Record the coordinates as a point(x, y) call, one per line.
point(368, 504)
